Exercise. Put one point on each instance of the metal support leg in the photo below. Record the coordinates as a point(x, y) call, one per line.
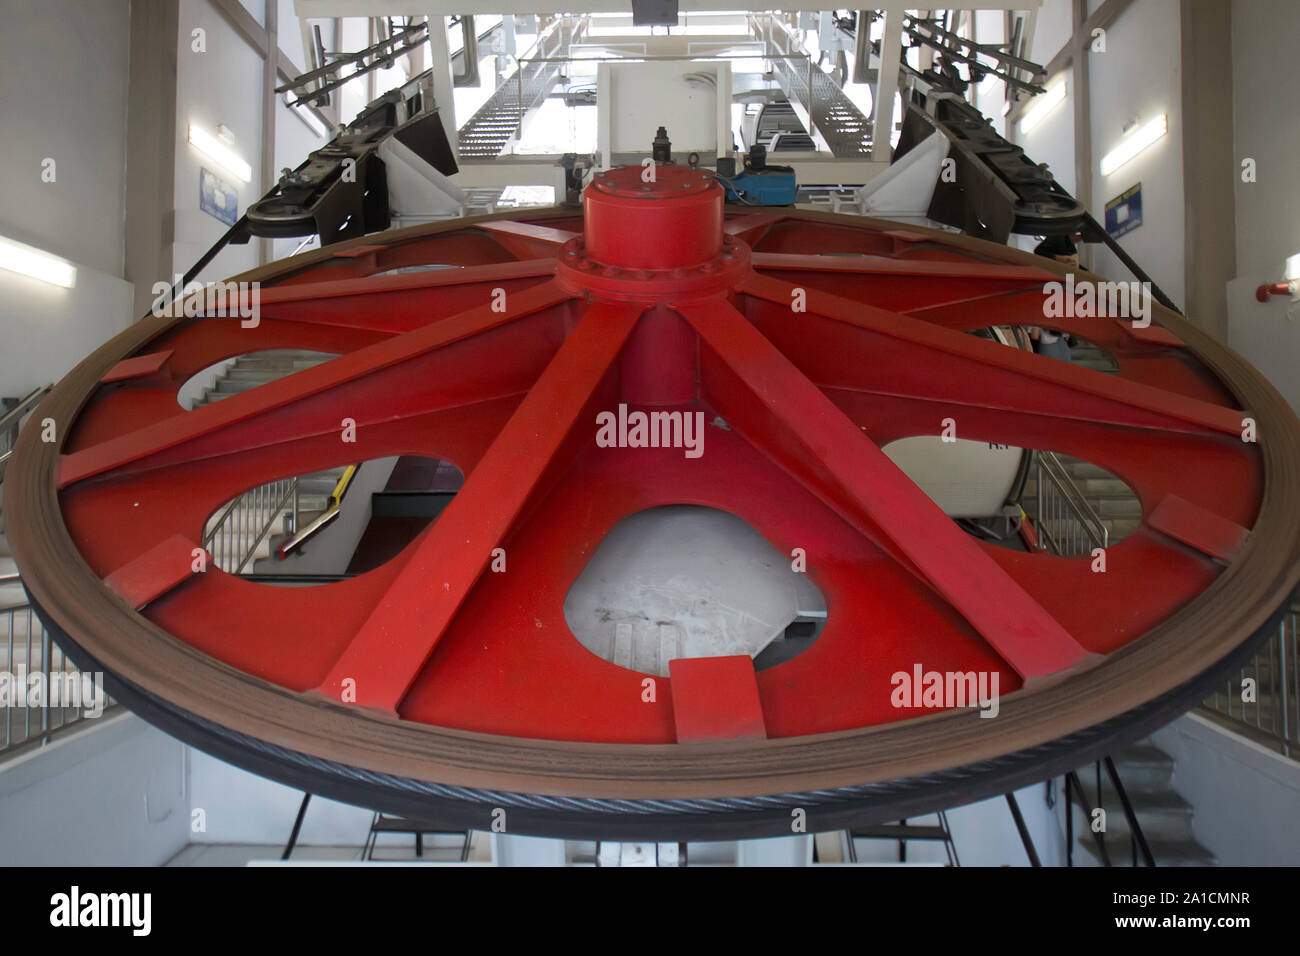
point(1134, 827)
point(1069, 823)
point(1025, 838)
point(297, 827)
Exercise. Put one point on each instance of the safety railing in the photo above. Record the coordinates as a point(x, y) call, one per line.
point(42, 693)
point(1077, 794)
point(332, 511)
point(1066, 522)
point(1262, 701)
point(239, 530)
point(11, 421)
point(234, 536)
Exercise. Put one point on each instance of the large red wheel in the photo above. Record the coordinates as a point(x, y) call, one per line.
point(808, 342)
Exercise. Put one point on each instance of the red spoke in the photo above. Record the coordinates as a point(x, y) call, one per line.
point(527, 240)
point(302, 386)
point(919, 360)
point(752, 228)
point(890, 266)
point(782, 412)
point(396, 302)
point(907, 285)
point(386, 656)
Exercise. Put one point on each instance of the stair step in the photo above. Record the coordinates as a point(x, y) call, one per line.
point(1165, 852)
point(1163, 814)
point(1143, 767)
point(1119, 507)
point(1085, 469)
point(12, 594)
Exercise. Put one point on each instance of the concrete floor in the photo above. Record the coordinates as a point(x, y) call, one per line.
point(244, 854)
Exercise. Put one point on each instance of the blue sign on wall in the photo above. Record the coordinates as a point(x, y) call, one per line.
point(1124, 212)
point(216, 198)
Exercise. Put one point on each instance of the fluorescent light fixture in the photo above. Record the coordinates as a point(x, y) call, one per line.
point(36, 263)
point(1134, 143)
point(1044, 105)
point(220, 153)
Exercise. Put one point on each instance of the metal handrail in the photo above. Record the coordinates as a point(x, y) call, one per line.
point(1074, 509)
point(1137, 838)
point(250, 515)
point(325, 517)
point(25, 403)
point(19, 732)
point(12, 420)
point(1275, 671)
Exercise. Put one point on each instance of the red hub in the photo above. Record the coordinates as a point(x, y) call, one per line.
point(653, 241)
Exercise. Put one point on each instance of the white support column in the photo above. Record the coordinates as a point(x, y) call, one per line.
point(443, 89)
point(882, 103)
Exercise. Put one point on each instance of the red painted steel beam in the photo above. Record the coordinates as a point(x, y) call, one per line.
point(1201, 528)
point(752, 228)
point(716, 698)
point(1130, 403)
point(152, 574)
point(527, 240)
point(307, 292)
point(793, 422)
point(889, 266)
point(306, 384)
point(394, 643)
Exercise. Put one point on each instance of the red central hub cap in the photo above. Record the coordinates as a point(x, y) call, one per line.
point(673, 220)
point(653, 238)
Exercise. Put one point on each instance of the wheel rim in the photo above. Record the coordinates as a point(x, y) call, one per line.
point(576, 337)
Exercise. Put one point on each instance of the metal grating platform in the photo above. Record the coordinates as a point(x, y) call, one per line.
point(846, 131)
point(485, 135)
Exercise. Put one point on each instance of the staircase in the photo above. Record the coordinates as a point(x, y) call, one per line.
point(1272, 719)
point(1165, 817)
point(11, 591)
point(1119, 509)
point(263, 505)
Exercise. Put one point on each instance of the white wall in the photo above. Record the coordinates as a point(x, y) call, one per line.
point(222, 86)
point(1245, 796)
point(63, 97)
point(46, 330)
point(241, 807)
point(1054, 27)
point(989, 96)
point(113, 794)
point(1137, 78)
point(1051, 141)
point(1265, 93)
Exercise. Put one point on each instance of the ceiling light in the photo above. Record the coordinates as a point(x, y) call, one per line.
point(1134, 143)
point(1042, 106)
point(220, 153)
point(36, 263)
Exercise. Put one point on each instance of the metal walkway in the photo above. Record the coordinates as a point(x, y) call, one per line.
point(841, 124)
point(485, 135)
